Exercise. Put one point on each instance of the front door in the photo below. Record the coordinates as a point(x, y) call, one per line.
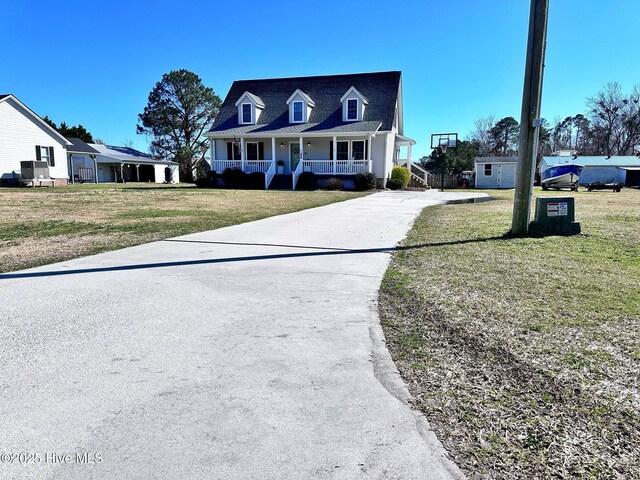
point(294, 155)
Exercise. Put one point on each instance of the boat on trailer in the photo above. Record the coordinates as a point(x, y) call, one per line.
point(561, 175)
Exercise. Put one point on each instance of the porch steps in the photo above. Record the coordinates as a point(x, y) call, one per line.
point(281, 182)
point(417, 181)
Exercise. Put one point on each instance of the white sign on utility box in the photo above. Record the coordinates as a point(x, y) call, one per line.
point(555, 216)
point(557, 209)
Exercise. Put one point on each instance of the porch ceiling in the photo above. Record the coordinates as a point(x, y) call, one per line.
point(313, 129)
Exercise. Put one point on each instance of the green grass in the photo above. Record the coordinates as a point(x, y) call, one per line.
point(43, 225)
point(523, 353)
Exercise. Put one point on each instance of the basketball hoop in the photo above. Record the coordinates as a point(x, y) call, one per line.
point(444, 141)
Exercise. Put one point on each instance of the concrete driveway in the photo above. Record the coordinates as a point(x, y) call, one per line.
point(252, 351)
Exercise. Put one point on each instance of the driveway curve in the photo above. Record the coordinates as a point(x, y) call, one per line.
point(248, 352)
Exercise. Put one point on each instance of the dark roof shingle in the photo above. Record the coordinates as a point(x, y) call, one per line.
point(80, 146)
point(381, 90)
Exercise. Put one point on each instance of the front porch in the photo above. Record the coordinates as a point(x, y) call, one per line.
point(331, 156)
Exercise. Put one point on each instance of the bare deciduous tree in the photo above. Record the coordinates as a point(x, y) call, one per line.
point(480, 137)
point(616, 120)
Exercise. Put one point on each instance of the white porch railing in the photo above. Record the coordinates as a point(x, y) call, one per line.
point(221, 165)
point(419, 173)
point(336, 167)
point(269, 174)
point(251, 166)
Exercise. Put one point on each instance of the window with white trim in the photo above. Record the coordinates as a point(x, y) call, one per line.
point(298, 109)
point(233, 151)
point(352, 109)
point(342, 150)
point(357, 150)
point(350, 149)
point(45, 154)
point(247, 116)
point(488, 169)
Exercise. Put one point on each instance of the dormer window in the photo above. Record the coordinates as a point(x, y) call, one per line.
point(352, 109)
point(247, 116)
point(297, 111)
point(300, 105)
point(353, 105)
point(250, 107)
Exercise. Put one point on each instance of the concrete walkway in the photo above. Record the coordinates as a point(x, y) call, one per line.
point(249, 352)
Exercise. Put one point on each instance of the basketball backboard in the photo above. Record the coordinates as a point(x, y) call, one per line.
point(444, 140)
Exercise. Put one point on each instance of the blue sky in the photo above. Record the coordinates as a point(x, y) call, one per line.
point(95, 64)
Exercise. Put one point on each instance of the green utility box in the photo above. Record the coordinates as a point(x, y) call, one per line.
point(555, 216)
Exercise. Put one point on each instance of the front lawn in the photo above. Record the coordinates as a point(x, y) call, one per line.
point(524, 354)
point(44, 225)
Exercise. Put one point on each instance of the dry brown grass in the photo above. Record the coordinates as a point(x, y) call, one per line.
point(524, 354)
point(39, 226)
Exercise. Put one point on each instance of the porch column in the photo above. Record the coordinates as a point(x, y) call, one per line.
point(302, 153)
point(121, 172)
point(335, 154)
point(242, 155)
point(71, 163)
point(369, 153)
point(137, 172)
point(409, 153)
point(213, 154)
point(273, 150)
point(95, 168)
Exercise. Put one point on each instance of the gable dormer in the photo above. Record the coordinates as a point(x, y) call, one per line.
point(300, 105)
point(353, 105)
point(250, 107)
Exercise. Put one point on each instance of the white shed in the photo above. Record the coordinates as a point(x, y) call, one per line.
point(495, 172)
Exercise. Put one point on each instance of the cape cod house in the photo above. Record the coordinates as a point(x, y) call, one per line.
point(335, 125)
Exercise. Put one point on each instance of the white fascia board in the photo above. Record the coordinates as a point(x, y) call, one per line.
point(352, 90)
point(252, 98)
point(294, 135)
point(304, 96)
point(36, 117)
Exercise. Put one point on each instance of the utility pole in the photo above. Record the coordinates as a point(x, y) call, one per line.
point(530, 116)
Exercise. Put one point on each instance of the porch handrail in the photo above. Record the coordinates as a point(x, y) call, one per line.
point(337, 167)
point(269, 174)
point(220, 166)
point(296, 173)
point(418, 173)
point(251, 166)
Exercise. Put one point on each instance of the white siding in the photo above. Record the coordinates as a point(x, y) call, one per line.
point(503, 175)
point(306, 111)
point(389, 152)
point(159, 173)
point(106, 173)
point(19, 135)
point(378, 154)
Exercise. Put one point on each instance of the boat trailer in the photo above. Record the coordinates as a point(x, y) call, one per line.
point(616, 187)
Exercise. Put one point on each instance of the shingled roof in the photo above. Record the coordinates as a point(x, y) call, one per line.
point(381, 90)
point(80, 146)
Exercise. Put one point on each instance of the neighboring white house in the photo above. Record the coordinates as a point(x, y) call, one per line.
point(24, 136)
point(336, 125)
point(495, 172)
point(117, 163)
point(601, 169)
